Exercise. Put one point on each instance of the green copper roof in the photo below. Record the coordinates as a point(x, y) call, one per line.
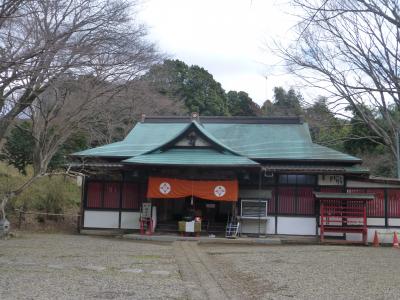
point(143, 138)
point(257, 141)
point(191, 157)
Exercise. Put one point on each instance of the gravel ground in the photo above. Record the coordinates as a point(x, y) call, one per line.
point(56, 266)
point(62, 266)
point(310, 272)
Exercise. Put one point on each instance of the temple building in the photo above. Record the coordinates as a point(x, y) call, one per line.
point(264, 173)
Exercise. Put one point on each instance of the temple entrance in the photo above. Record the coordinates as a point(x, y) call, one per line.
point(213, 214)
point(193, 206)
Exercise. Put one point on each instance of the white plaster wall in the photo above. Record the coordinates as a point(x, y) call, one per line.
point(251, 226)
point(101, 219)
point(393, 222)
point(296, 225)
point(271, 225)
point(376, 221)
point(130, 220)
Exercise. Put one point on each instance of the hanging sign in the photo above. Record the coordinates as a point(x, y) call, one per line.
point(332, 180)
point(218, 190)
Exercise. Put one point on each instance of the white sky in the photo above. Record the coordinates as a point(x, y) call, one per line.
point(226, 37)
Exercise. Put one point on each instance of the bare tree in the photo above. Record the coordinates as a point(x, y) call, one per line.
point(351, 50)
point(63, 109)
point(8, 8)
point(43, 40)
point(86, 104)
point(62, 63)
point(99, 108)
point(126, 108)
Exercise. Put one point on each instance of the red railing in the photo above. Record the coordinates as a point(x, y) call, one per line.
point(342, 216)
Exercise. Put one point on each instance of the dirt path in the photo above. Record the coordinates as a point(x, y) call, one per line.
point(201, 277)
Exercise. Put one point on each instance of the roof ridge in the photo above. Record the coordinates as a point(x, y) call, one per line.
point(226, 119)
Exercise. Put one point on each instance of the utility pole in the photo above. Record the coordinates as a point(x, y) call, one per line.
point(266, 87)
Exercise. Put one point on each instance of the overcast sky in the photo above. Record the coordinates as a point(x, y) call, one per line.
point(226, 37)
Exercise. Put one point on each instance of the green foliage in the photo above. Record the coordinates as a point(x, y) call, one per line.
point(363, 142)
point(191, 84)
point(240, 104)
point(168, 78)
point(326, 129)
point(17, 150)
point(203, 94)
point(361, 138)
point(286, 103)
point(198, 90)
point(74, 143)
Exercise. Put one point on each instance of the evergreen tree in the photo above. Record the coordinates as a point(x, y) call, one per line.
point(17, 150)
point(325, 128)
point(198, 90)
point(19, 143)
point(286, 103)
point(240, 104)
point(193, 85)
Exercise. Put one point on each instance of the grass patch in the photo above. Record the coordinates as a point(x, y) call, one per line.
point(51, 194)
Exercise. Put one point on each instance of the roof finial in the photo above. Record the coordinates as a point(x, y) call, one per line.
point(195, 116)
point(143, 117)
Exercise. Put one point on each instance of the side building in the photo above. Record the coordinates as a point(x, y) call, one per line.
point(266, 172)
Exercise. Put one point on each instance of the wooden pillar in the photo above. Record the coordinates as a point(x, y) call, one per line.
point(386, 208)
point(81, 220)
point(365, 231)
point(322, 221)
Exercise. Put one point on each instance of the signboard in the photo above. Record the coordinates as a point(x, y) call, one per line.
point(331, 180)
point(253, 209)
point(146, 210)
point(189, 226)
point(79, 180)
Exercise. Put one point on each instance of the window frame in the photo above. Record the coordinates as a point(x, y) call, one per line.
point(296, 182)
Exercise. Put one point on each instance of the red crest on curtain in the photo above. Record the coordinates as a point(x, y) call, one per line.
point(171, 188)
